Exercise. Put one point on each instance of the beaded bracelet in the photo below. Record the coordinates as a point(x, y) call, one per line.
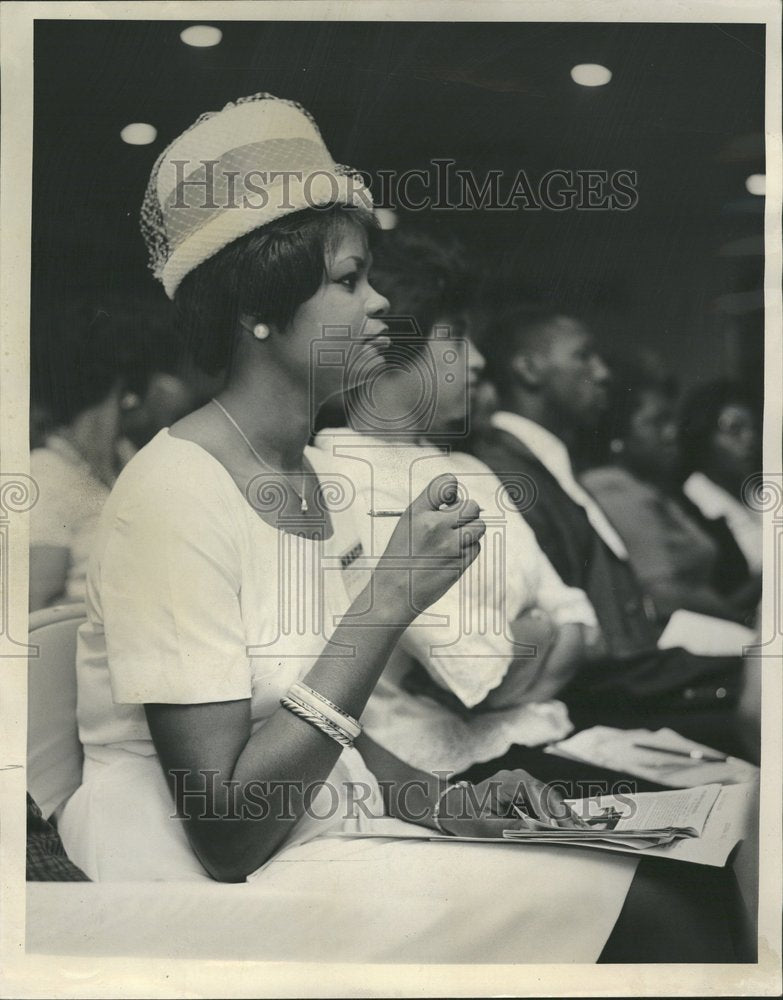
point(438, 804)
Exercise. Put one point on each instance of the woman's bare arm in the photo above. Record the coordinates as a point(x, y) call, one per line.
point(236, 817)
point(240, 793)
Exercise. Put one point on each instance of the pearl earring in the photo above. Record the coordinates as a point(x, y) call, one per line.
point(129, 401)
point(616, 446)
point(260, 331)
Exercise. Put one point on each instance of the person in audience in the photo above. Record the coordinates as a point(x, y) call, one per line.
point(105, 375)
point(224, 661)
point(462, 685)
point(434, 710)
point(78, 362)
point(721, 451)
point(553, 384)
point(674, 558)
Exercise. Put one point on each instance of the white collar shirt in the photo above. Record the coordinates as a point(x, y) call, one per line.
point(553, 455)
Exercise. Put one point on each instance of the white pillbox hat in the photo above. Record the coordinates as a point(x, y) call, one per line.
point(232, 171)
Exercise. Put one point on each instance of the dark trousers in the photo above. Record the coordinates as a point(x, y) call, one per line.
point(693, 694)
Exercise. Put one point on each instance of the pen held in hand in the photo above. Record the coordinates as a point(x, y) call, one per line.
point(399, 513)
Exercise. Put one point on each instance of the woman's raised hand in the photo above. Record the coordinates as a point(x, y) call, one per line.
point(437, 537)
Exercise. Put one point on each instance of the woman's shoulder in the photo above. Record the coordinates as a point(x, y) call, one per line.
point(54, 478)
point(172, 471)
point(67, 487)
point(48, 462)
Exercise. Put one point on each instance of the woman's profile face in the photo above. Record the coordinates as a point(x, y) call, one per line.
point(426, 389)
point(735, 443)
point(650, 443)
point(336, 336)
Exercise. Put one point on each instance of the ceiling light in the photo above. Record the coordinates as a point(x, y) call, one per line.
point(590, 75)
point(756, 184)
point(139, 134)
point(201, 36)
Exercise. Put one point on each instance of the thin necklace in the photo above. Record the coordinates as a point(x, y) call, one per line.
point(302, 501)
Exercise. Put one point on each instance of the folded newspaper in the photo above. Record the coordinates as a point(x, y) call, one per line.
point(637, 822)
point(700, 825)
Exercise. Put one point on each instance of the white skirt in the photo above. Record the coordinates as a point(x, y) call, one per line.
point(323, 897)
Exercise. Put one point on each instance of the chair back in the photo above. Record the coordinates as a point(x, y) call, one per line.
point(54, 753)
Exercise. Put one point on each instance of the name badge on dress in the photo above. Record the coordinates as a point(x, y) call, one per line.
point(355, 574)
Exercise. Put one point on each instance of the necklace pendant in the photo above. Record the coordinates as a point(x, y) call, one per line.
point(304, 508)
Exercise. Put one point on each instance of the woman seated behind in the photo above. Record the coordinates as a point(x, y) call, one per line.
point(720, 441)
point(676, 558)
point(476, 673)
point(97, 369)
point(79, 359)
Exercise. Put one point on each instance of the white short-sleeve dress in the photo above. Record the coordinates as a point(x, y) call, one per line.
point(193, 598)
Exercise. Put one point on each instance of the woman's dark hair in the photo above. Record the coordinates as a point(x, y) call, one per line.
point(425, 277)
point(632, 377)
point(267, 274)
point(80, 352)
point(630, 381)
point(699, 417)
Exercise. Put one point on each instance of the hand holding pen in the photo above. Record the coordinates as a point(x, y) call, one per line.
point(434, 541)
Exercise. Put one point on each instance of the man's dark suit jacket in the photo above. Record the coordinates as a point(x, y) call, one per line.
point(634, 669)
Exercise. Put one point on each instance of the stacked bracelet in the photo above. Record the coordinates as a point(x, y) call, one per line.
point(439, 803)
point(338, 718)
point(321, 713)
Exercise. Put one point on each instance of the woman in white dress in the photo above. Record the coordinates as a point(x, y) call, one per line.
point(224, 667)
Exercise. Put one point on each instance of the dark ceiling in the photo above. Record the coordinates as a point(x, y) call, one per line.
point(685, 110)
